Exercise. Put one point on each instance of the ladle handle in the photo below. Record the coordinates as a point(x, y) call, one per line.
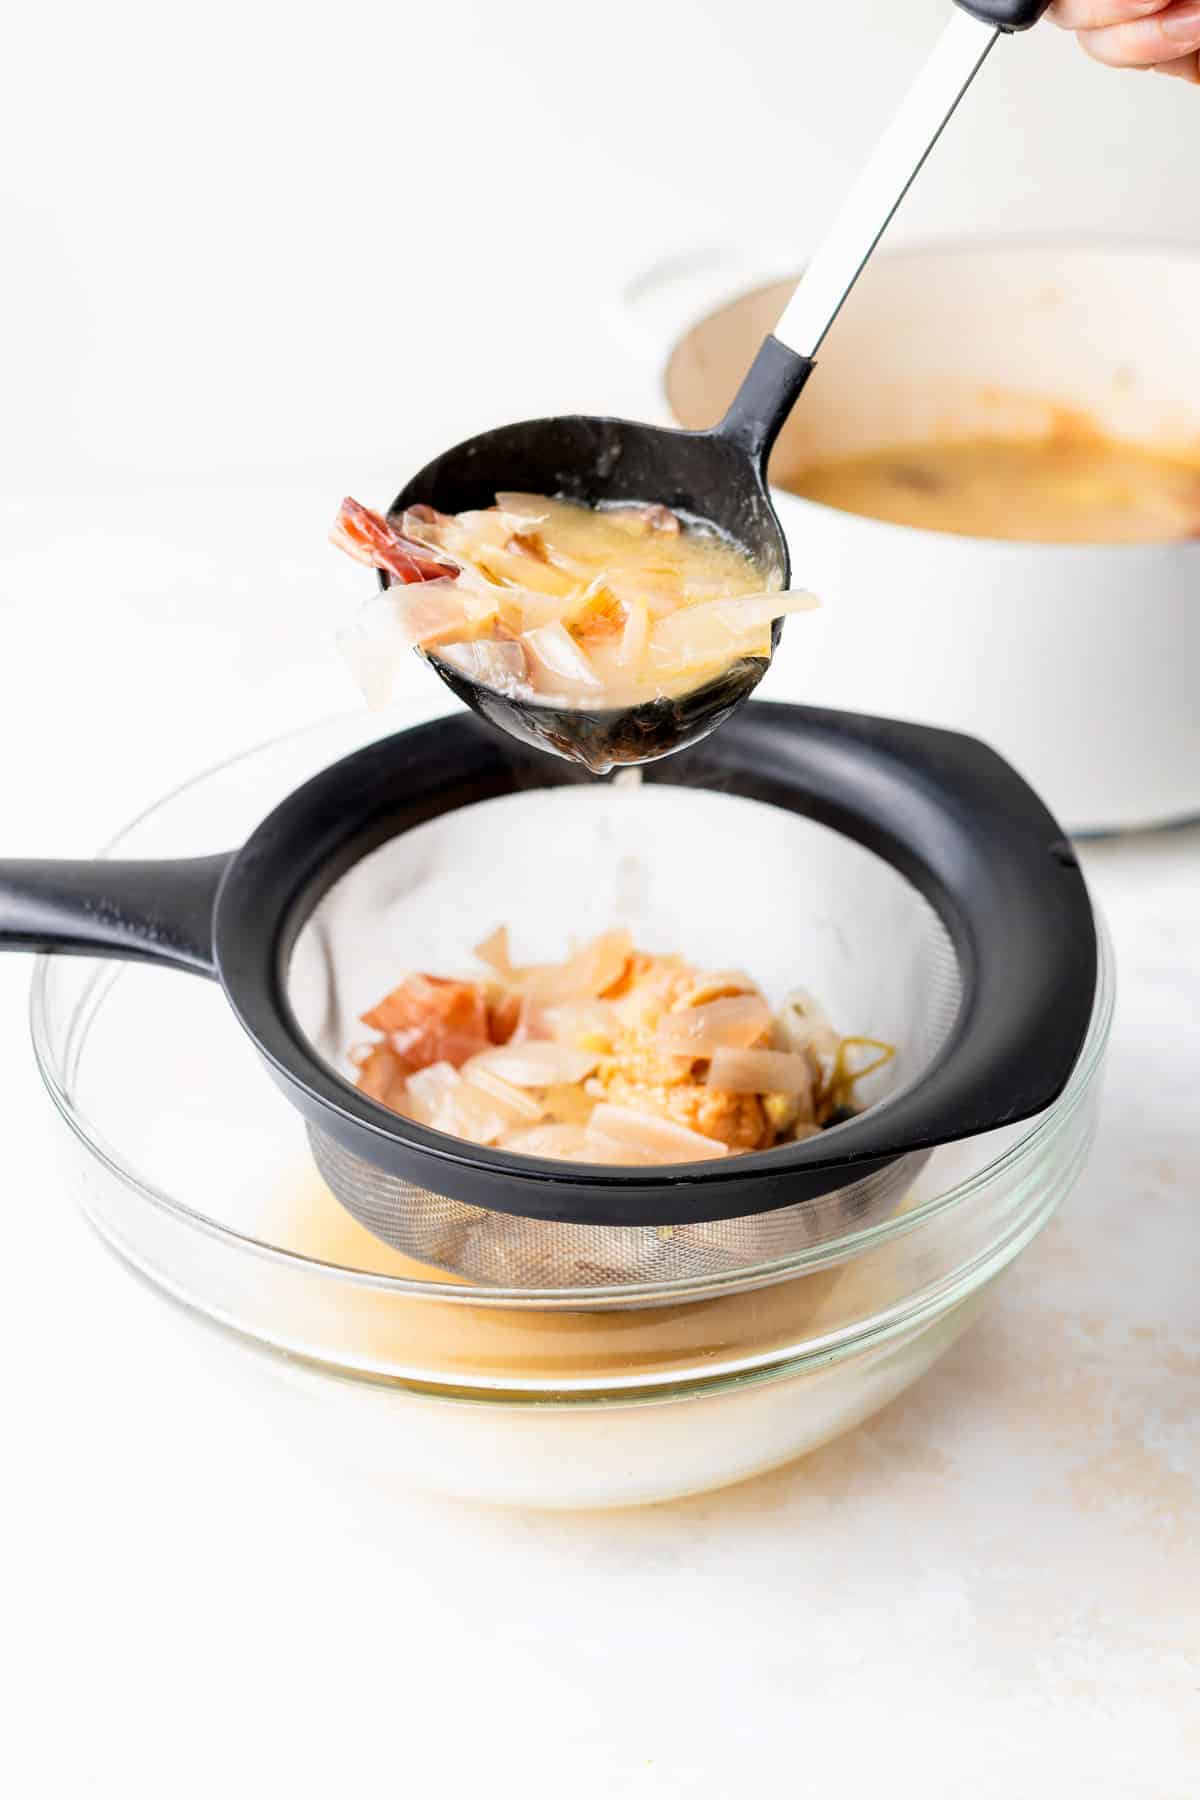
point(786, 359)
point(895, 163)
point(159, 912)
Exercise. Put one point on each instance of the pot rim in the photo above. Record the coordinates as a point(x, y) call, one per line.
point(920, 537)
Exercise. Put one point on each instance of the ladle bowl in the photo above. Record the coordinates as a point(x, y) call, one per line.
point(718, 476)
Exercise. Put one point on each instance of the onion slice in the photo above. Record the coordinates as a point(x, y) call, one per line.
point(445, 1100)
point(531, 509)
point(806, 1026)
point(648, 1135)
point(425, 614)
point(519, 572)
point(430, 1092)
point(580, 1022)
point(591, 972)
point(422, 525)
point(603, 1149)
point(496, 663)
point(635, 638)
point(389, 625)
point(565, 1142)
point(721, 630)
point(494, 951)
point(536, 1064)
point(760, 1072)
point(556, 655)
point(511, 1100)
point(475, 1116)
point(731, 1024)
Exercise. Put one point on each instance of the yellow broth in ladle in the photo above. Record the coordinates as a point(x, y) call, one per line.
point(555, 602)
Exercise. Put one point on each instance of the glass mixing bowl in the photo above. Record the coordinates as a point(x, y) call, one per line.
point(196, 1171)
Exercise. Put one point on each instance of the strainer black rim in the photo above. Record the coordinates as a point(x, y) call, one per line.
point(945, 811)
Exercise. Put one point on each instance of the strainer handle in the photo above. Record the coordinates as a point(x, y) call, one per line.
point(160, 912)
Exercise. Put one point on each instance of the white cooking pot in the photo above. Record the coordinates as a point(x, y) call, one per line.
point(1079, 662)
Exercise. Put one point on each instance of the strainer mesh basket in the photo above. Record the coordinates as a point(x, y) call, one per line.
point(825, 914)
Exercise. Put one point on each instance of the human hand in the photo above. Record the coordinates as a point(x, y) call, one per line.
point(1137, 34)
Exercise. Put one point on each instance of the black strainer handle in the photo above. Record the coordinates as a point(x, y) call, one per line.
point(159, 912)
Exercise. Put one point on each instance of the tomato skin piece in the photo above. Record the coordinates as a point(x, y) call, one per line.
point(369, 538)
point(504, 1017)
point(428, 1019)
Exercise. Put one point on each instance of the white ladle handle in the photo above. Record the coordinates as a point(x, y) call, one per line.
point(894, 166)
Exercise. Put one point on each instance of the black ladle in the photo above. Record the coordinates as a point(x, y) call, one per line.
point(718, 475)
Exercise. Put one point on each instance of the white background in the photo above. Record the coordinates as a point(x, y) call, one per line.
point(256, 256)
point(258, 236)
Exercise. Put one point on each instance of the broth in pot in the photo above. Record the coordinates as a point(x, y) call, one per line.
point(921, 424)
point(1068, 489)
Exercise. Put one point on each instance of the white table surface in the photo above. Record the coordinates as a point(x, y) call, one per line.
point(990, 1589)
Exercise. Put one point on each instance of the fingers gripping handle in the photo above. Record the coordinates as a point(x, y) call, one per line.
point(159, 912)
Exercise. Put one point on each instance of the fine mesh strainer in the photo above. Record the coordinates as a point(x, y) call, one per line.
point(729, 880)
point(509, 1251)
point(906, 876)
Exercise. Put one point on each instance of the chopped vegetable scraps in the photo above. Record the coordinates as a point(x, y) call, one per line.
point(611, 1056)
point(553, 600)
